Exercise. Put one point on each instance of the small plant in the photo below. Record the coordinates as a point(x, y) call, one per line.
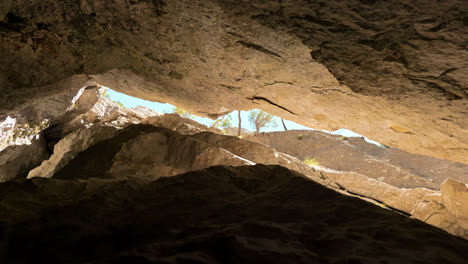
point(120, 103)
point(311, 161)
point(383, 205)
point(343, 138)
point(182, 112)
point(300, 136)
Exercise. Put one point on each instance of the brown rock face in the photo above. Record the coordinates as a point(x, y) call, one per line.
point(16, 161)
point(389, 165)
point(393, 71)
point(249, 214)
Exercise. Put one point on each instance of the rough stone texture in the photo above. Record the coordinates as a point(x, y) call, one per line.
point(396, 68)
point(389, 165)
point(255, 152)
point(69, 147)
point(446, 209)
point(166, 153)
point(148, 152)
point(251, 214)
point(17, 161)
point(180, 124)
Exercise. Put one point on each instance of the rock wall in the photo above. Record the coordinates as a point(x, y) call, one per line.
point(221, 214)
point(147, 152)
point(393, 71)
point(389, 165)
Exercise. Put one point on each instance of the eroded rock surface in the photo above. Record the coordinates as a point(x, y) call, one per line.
point(16, 161)
point(389, 165)
point(221, 214)
point(396, 68)
point(148, 152)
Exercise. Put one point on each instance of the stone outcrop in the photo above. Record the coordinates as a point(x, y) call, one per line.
point(123, 185)
point(167, 153)
point(389, 165)
point(148, 152)
point(17, 160)
point(396, 68)
point(221, 214)
point(445, 209)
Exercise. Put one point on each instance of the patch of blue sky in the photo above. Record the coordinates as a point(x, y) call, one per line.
point(130, 102)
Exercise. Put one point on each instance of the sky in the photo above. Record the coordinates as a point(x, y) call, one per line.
point(130, 102)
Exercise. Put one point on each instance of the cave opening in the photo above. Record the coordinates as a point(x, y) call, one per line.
point(277, 123)
point(87, 176)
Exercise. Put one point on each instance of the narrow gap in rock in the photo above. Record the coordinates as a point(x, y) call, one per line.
point(228, 123)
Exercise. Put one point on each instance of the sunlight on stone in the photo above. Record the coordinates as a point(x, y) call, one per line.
point(12, 133)
point(129, 101)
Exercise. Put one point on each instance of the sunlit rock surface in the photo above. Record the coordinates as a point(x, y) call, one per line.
point(389, 165)
point(17, 160)
point(392, 71)
point(149, 151)
point(111, 190)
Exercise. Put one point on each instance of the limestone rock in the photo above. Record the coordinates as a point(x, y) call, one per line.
point(252, 213)
point(17, 160)
point(166, 153)
point(147, 152)
point(455, 197)
point(294, 59)
point(447, 209)
point(255, 152)
point(69, 147)
point(181, 124)
point(389, 165)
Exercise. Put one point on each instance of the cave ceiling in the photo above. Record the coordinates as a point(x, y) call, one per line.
point(394, 71)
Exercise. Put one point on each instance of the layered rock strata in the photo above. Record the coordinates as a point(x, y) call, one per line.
point(396, 68)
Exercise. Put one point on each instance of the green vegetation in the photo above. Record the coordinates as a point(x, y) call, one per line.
point(383, 205)
point(120, 103)
point(311, 161)
point(300, 136)
point(223, 122)
point(181, 112)
point(260, 119)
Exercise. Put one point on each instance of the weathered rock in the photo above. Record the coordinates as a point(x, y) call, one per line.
point(69, 147)
point(255, 152)
point(295, 59)
point(389, 165)
point(446, 209)
point(17, 161)
point(166, 153)
point(180, 124)
point(455, 197)
point(149, 152)
point(249, 214)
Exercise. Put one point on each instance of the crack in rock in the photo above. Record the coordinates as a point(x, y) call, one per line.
point(270, 102)
point(258, 47)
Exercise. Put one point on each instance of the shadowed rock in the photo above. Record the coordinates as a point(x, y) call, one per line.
point(222, 214)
